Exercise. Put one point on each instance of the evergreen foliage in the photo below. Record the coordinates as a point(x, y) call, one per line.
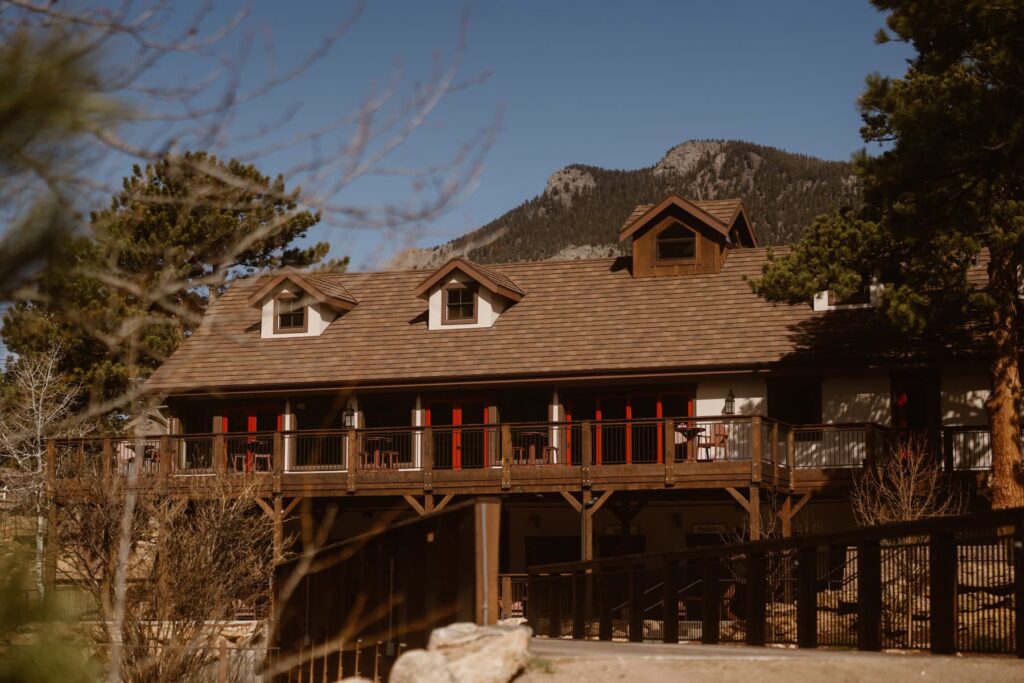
point(143, 274)
point(947, 190)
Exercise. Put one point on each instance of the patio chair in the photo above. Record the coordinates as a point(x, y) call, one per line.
point(550, 454)
point(714, 443)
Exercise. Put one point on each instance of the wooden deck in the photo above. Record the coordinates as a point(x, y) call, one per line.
point(551, 457)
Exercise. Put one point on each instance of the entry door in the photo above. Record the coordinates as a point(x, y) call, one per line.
point(618, 438)
point(460, 439)
point(916, 405)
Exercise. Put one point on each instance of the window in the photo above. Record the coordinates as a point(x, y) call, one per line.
point(289, 314)
point(459, 305)
point(676, 242)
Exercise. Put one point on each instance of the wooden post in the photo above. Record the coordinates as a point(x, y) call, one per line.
point(711, 594)
point(278, 529)
point(669, 456)
point(636, 605)
point(506, 456)
point(108, 456)
point(869, 445)
point(807, 597)
point(351, 459)
point(758, 454)
point(1017, 545)
point(869, 596)
point(791, 457)
point(428, 459)
point(604, 606)
point(220, 454)
point(755, 513)
point(506, 596)
point(166, 463)
point(554, 607)
point(947, 449)
point(580, 608)
point(757, 598)
point(278, 463)
point(774, 446)
point(586, 453)
point(942, 592)
point(586, 526)
point(670, 603)
point(786, 515)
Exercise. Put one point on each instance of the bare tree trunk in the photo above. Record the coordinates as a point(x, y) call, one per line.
point(1003, 404)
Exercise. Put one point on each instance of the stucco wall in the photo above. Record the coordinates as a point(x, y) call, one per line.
point(319, 319)
point(963, 398)
point(856, 398)
point(751, 395)
point(490, 306)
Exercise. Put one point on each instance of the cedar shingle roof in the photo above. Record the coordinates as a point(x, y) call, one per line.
point(494, 280)
point(580, 317)
point(330, 286)
point(721, 209)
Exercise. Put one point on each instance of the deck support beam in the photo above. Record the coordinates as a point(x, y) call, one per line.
point(752, 506)
point(428, 505)
point(789, 510)
point(586, 506)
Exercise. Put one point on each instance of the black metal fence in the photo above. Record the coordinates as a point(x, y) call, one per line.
point(945, 584)
point(353, 606)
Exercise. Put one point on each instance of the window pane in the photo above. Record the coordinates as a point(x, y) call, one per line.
point(460, 304)
point(677, 248)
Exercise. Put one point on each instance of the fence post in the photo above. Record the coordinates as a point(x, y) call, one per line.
point(947, 449)
point(554, 608)
point(506, 596)
point(711, 610)
point(636, 607)
point(670, 603)
point(791, 457)
point(942, 592)
point(756, 597)
point(807, 597)
point(604, 607)
point(774, 446)
point(580, 606)
point(869, 595)
point(1017, 543)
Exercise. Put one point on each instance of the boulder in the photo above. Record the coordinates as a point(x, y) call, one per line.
point(482, 654)
point(420, 666)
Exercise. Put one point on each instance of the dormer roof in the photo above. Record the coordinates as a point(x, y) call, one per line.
point(721, 214)
point(323, 289)
point(489, 278)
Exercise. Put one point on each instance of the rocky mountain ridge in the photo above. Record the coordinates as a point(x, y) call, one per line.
point(579, 213)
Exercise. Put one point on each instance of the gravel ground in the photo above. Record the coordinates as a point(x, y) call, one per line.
point(562, 661)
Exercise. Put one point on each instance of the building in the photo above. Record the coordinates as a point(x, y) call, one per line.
point(641, 403)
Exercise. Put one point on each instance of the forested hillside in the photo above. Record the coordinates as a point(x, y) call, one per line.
point(582, 207)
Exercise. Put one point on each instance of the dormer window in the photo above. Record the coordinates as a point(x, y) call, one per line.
point(289, 313)
point(459, 304)
point(676, 243)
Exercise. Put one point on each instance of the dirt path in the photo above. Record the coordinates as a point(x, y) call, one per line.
point(562, 661)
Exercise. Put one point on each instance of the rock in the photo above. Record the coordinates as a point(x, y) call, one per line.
point(355, 679)
point(420, 666)
point(482, 654)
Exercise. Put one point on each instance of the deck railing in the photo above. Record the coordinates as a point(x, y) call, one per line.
point(768, 445)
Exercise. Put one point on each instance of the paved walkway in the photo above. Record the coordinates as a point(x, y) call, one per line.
point(561, 661)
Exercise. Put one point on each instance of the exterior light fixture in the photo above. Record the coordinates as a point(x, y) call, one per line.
point(349, 418)
point(730, 403)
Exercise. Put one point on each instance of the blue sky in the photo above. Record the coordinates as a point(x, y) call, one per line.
point(613, 84)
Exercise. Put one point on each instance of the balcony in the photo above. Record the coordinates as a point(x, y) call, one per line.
point(648, 453)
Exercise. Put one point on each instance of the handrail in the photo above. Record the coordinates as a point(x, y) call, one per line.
point(921, 527)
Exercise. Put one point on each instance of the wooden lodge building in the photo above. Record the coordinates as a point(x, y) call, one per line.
point(636, 404)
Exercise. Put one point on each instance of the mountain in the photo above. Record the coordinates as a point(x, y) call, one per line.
point(582, 207)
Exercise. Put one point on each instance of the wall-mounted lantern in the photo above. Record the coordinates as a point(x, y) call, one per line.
point(730, 403)
point(349, 418)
